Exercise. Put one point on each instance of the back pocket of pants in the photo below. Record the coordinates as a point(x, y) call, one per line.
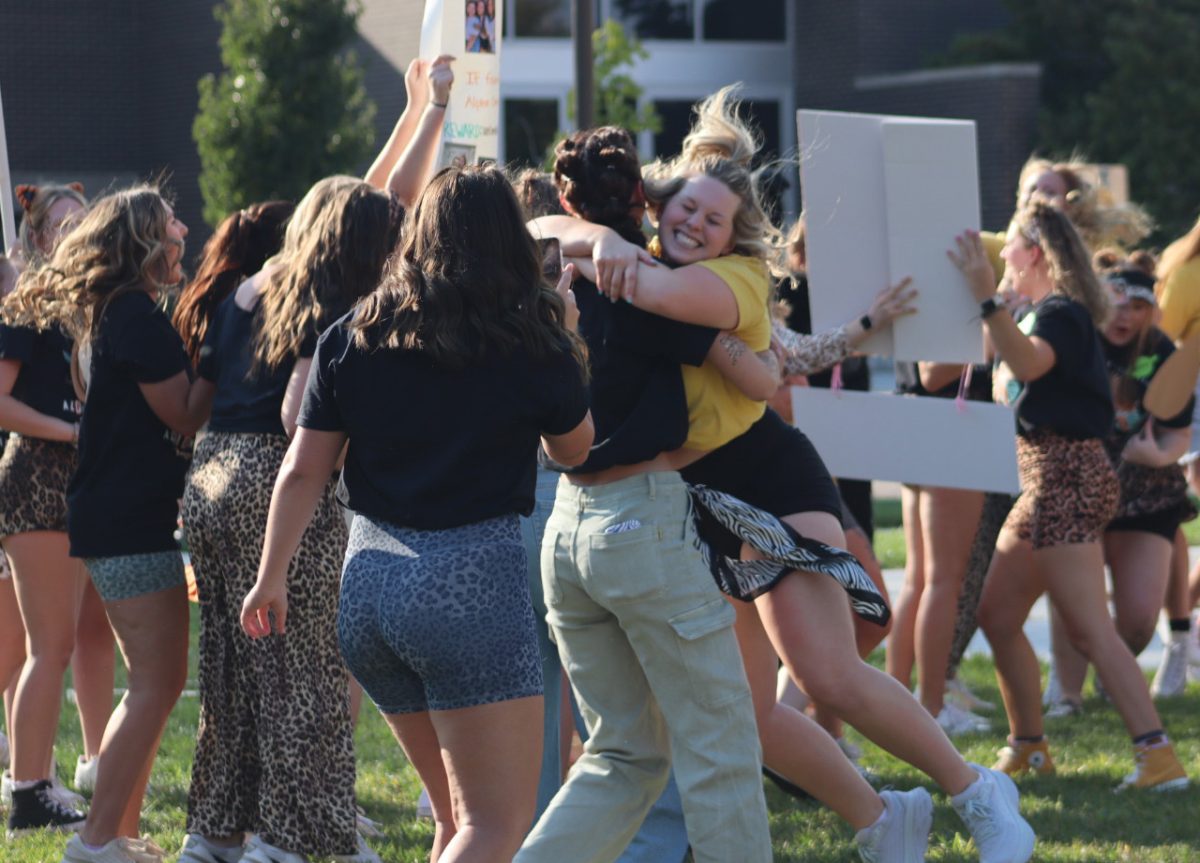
point(626, 565)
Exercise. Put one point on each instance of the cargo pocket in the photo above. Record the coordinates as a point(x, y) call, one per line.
point(710, 654)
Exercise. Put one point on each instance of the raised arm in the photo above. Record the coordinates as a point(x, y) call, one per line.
point(410, 157)
point(415, 89)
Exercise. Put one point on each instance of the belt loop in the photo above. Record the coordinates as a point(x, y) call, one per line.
point(650, 480)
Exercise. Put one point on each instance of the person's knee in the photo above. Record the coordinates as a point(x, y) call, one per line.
point(51, 653)
point(834, 684)
point(1136, 632)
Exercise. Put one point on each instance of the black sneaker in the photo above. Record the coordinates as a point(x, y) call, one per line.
point(37, 808)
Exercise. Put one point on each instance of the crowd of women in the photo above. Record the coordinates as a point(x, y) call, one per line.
point(543, 478)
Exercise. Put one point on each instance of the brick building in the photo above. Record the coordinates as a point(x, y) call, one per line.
point(106, 92)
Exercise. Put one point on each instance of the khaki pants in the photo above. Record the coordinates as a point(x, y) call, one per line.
point(648, 643)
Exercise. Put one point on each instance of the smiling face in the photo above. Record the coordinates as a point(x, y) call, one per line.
point(1025, 266)
point(697, 222)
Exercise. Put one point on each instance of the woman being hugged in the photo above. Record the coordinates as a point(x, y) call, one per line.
point(434, 580)
point(1053, 372)
point(103, 284)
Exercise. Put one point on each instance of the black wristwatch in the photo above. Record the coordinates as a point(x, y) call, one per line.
point(865, 322)
point(989, 307)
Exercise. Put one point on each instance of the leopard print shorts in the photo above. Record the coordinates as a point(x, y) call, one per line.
point(1069, 490)
point(33, 485)
point(275, 749)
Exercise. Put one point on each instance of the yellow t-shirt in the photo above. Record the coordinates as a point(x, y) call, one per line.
point(1179, 300)
point(718, 411)
point(993, 243)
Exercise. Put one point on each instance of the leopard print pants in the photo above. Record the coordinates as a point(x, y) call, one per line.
point(275, 751)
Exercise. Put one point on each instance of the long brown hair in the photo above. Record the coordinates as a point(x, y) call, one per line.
point(467, 283)
point(1043, 224)
point(1138, 269)
point(333, 254)
point(119, 246)
point(238, 248)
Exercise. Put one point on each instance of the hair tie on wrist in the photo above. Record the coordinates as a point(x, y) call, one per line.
point(439, 104)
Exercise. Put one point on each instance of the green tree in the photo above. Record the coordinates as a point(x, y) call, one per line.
point(614, 53)
point(1118, 85)
point(290, 107)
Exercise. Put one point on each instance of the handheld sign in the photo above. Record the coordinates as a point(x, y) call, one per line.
point(6, 199)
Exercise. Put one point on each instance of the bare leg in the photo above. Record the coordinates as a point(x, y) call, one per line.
point(1075, 575)
point(793, 745)
point(12, 646)
point(1141, 571)
point(949, 519)
point(1179, 604)
point(1011, 588)
point(1070, 666)
point(92, 667)
point(901, 650)
point(486, 774)
point(48, 585)
point(807, 619)
point(152, 631)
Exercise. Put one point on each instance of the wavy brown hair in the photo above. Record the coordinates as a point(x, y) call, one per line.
point(36, 202)
point(598, 174)
point(119, 246)
point(467, 283)
point(1043, 224)
point(238, 248)
point(333, 255)
point(537, 194)
point(720, 145)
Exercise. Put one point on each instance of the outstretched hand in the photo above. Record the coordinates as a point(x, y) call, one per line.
point(416, 82)
point(972, 261)
point(894, 302)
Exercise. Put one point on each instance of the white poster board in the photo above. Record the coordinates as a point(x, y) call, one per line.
point(908, 439)
point(884, 198)
point(471, 132)
point(8, 227)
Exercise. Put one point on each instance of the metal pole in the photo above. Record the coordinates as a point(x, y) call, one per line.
point(583, 20)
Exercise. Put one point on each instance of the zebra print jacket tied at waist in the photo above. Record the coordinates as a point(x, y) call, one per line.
point(784, 550)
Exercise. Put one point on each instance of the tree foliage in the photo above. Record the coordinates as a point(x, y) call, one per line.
point(1119, 84)
point(614, 53)
point(290, 107)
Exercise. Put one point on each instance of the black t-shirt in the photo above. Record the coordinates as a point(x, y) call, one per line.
point(1140, 369)
point(639, 407)
point(908, 383)
point(1074, 398)
point(432, 447)
point(44, 382)
point(247, 400)
point(122, 498)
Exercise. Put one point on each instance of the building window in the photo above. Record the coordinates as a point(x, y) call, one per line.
point(657, 19)
point(739, 21)
point(540, 19)
point(530, 126)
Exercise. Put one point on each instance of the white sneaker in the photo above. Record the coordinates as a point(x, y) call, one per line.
point(364, 854)
point(989, 809)
point(197, 849)
point(1064, 707)
point(424, 806)
point(258, 851)
point(6, 789)
point(85, 774)
point(1171, 678)
point(955, 721)
point(957, 692)
point(120, 850)
point(901, 834)
point(368, 828)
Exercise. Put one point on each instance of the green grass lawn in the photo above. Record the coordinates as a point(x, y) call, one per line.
point(1075, 813)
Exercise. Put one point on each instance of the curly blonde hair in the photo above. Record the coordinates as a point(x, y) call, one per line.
point(120, 245)
point(1099, 223)
point(720, 145)
point(1045, 225)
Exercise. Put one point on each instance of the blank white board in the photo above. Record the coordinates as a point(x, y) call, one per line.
point(910, 439)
